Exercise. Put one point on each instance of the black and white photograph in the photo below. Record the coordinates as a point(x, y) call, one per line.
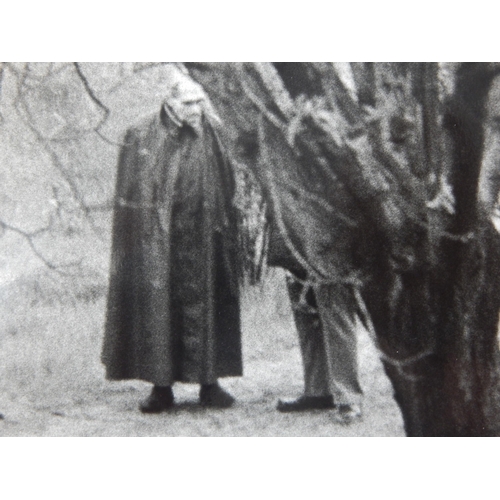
point(302, 249)
point(249, 279)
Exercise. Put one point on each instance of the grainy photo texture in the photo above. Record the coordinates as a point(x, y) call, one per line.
point(249, 249)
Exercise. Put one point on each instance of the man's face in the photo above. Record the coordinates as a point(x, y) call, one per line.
point(188, 109)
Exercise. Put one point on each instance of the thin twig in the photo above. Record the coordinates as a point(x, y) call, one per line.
point(28, 236)
point(56, 162)
point(92, 95)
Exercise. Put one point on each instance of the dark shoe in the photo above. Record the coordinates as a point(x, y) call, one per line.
point(160, 399)
point(305, 403)
point(347, 414)
point(214, 396)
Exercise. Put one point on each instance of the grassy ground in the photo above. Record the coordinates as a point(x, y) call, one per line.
point(52, 383)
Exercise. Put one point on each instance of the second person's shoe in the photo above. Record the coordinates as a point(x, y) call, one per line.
point(306, 403)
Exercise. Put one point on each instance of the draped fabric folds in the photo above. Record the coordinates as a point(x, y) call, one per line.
point(173, 302)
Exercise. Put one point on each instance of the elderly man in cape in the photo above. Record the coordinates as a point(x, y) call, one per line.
point(173, 310)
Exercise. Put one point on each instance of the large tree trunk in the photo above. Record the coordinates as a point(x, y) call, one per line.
point(377, 186)
point(452, 307)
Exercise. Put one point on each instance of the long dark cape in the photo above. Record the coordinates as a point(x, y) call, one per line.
point(138, 341)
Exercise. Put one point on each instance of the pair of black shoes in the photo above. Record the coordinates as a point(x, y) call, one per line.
point(162, 398)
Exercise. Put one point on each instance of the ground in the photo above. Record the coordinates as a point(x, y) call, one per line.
point(52, 383)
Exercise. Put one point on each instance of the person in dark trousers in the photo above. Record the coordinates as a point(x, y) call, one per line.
point(173, 310)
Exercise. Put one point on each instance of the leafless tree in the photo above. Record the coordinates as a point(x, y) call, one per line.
point(372, 177)
point(63, 121)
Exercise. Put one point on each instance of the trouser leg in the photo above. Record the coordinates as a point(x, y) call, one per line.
point(337, 306)
point(312, 347)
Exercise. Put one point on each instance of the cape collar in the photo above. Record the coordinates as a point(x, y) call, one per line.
point(169, 120)
point(172, 123)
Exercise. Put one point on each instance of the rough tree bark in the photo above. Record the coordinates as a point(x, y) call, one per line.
point(377, 186)
point(446, 305)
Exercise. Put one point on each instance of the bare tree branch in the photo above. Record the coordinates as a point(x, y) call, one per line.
point(29, 236)
point(92, 95)
point(24, 113)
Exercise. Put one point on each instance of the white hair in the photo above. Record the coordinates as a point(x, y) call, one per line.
point(186, 89)
point(183, 87)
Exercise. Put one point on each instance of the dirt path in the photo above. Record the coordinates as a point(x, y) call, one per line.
point(52, 383)
point(111, 408)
